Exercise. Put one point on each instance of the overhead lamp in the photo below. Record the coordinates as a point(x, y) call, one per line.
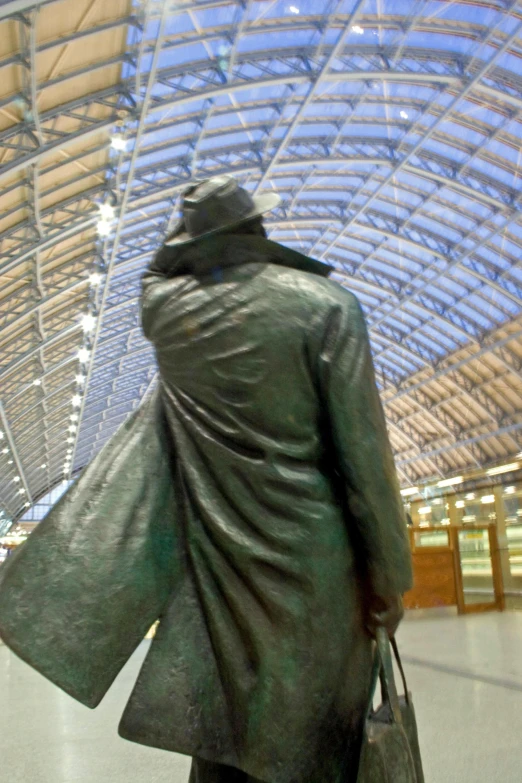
point(510, 490)
point(95, 278)
point(70, 440)
point(487, 499)
point(43, 467)
point(37, 382)
point(80, 379)
point(404, 115)
point(84, 355)
point(425, 510)
point(106, 211)
point(27, 505)
point(76, 400)
point(88, 322)
point(470, 496)
point(73, 417)
point(459, 504)
point(503, 469)
point(104, 228)
point(16, 479)
point(72, 428)
point(450, 482)
point(5, 451)
point(1, 435)
point(10, 462)
point(409, 491)
point(21, 491)
point(118, 142)
point(294, 9)
point(357, 29)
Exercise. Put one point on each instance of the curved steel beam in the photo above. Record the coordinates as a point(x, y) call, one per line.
point(466, 441)
point(482, 71)
point(295, 75)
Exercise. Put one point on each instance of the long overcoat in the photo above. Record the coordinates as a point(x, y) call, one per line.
point(252, 505)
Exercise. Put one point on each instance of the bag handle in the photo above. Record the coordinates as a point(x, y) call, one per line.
point(388, 686)
point(395, 649)
point(383, 670)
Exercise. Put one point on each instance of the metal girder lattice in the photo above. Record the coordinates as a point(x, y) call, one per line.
point(383, 170)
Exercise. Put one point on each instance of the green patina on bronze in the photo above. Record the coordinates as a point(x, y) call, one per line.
point(253, 506)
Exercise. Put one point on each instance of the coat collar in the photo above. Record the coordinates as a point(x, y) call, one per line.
point(206, 255)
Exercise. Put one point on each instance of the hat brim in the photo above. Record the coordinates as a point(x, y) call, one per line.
point(262, 204)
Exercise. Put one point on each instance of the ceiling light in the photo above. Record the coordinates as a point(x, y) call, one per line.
point(404, 115)
point(73, 417)
point(43, 467)
point(70, 440)
point(510, 490)
point(503, 469)
point(459, 504)
point(5, 451)
point(1, 435)
point(16, 479)
point(27, 505)
point(37, 382)
point(76, 400)
point(103, 227)
point(487, 499)
point(118, 143)
point(84, 355)
point(425, 510)
point(450, 482)
point(21, 491)
point(470, 496)
point(10, 462)
point(357, 29)
point(95, 278)
point(409, 491)
point(106, 211)
point(294, 9)
point(88, 322)
point(72, 428)
point(80, 379)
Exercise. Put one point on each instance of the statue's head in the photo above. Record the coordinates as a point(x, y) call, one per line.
point(219, 205)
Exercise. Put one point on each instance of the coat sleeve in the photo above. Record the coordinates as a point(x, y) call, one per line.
point(362, 450)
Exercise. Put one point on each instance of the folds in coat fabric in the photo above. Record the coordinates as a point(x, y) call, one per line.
point(80, 594)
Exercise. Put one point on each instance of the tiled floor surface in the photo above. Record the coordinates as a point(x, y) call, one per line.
point(465, 674)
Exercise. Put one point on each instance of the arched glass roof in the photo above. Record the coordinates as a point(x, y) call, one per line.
point(392, 131)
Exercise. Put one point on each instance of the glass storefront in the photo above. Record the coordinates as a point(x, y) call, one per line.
point(477, 568)
point(512, 503)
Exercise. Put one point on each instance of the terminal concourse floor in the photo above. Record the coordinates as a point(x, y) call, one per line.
point(465, 674)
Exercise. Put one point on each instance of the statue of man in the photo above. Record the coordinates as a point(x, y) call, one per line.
point(294, 526)
point(263, 464)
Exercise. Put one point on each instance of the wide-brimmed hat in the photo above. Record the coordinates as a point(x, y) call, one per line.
point(214, 204)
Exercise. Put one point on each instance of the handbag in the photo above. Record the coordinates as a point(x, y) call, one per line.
point(390, 752)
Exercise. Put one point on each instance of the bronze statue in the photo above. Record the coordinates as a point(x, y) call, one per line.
point(256, 496)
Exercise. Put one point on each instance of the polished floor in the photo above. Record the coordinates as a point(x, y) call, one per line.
point(465, 674)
